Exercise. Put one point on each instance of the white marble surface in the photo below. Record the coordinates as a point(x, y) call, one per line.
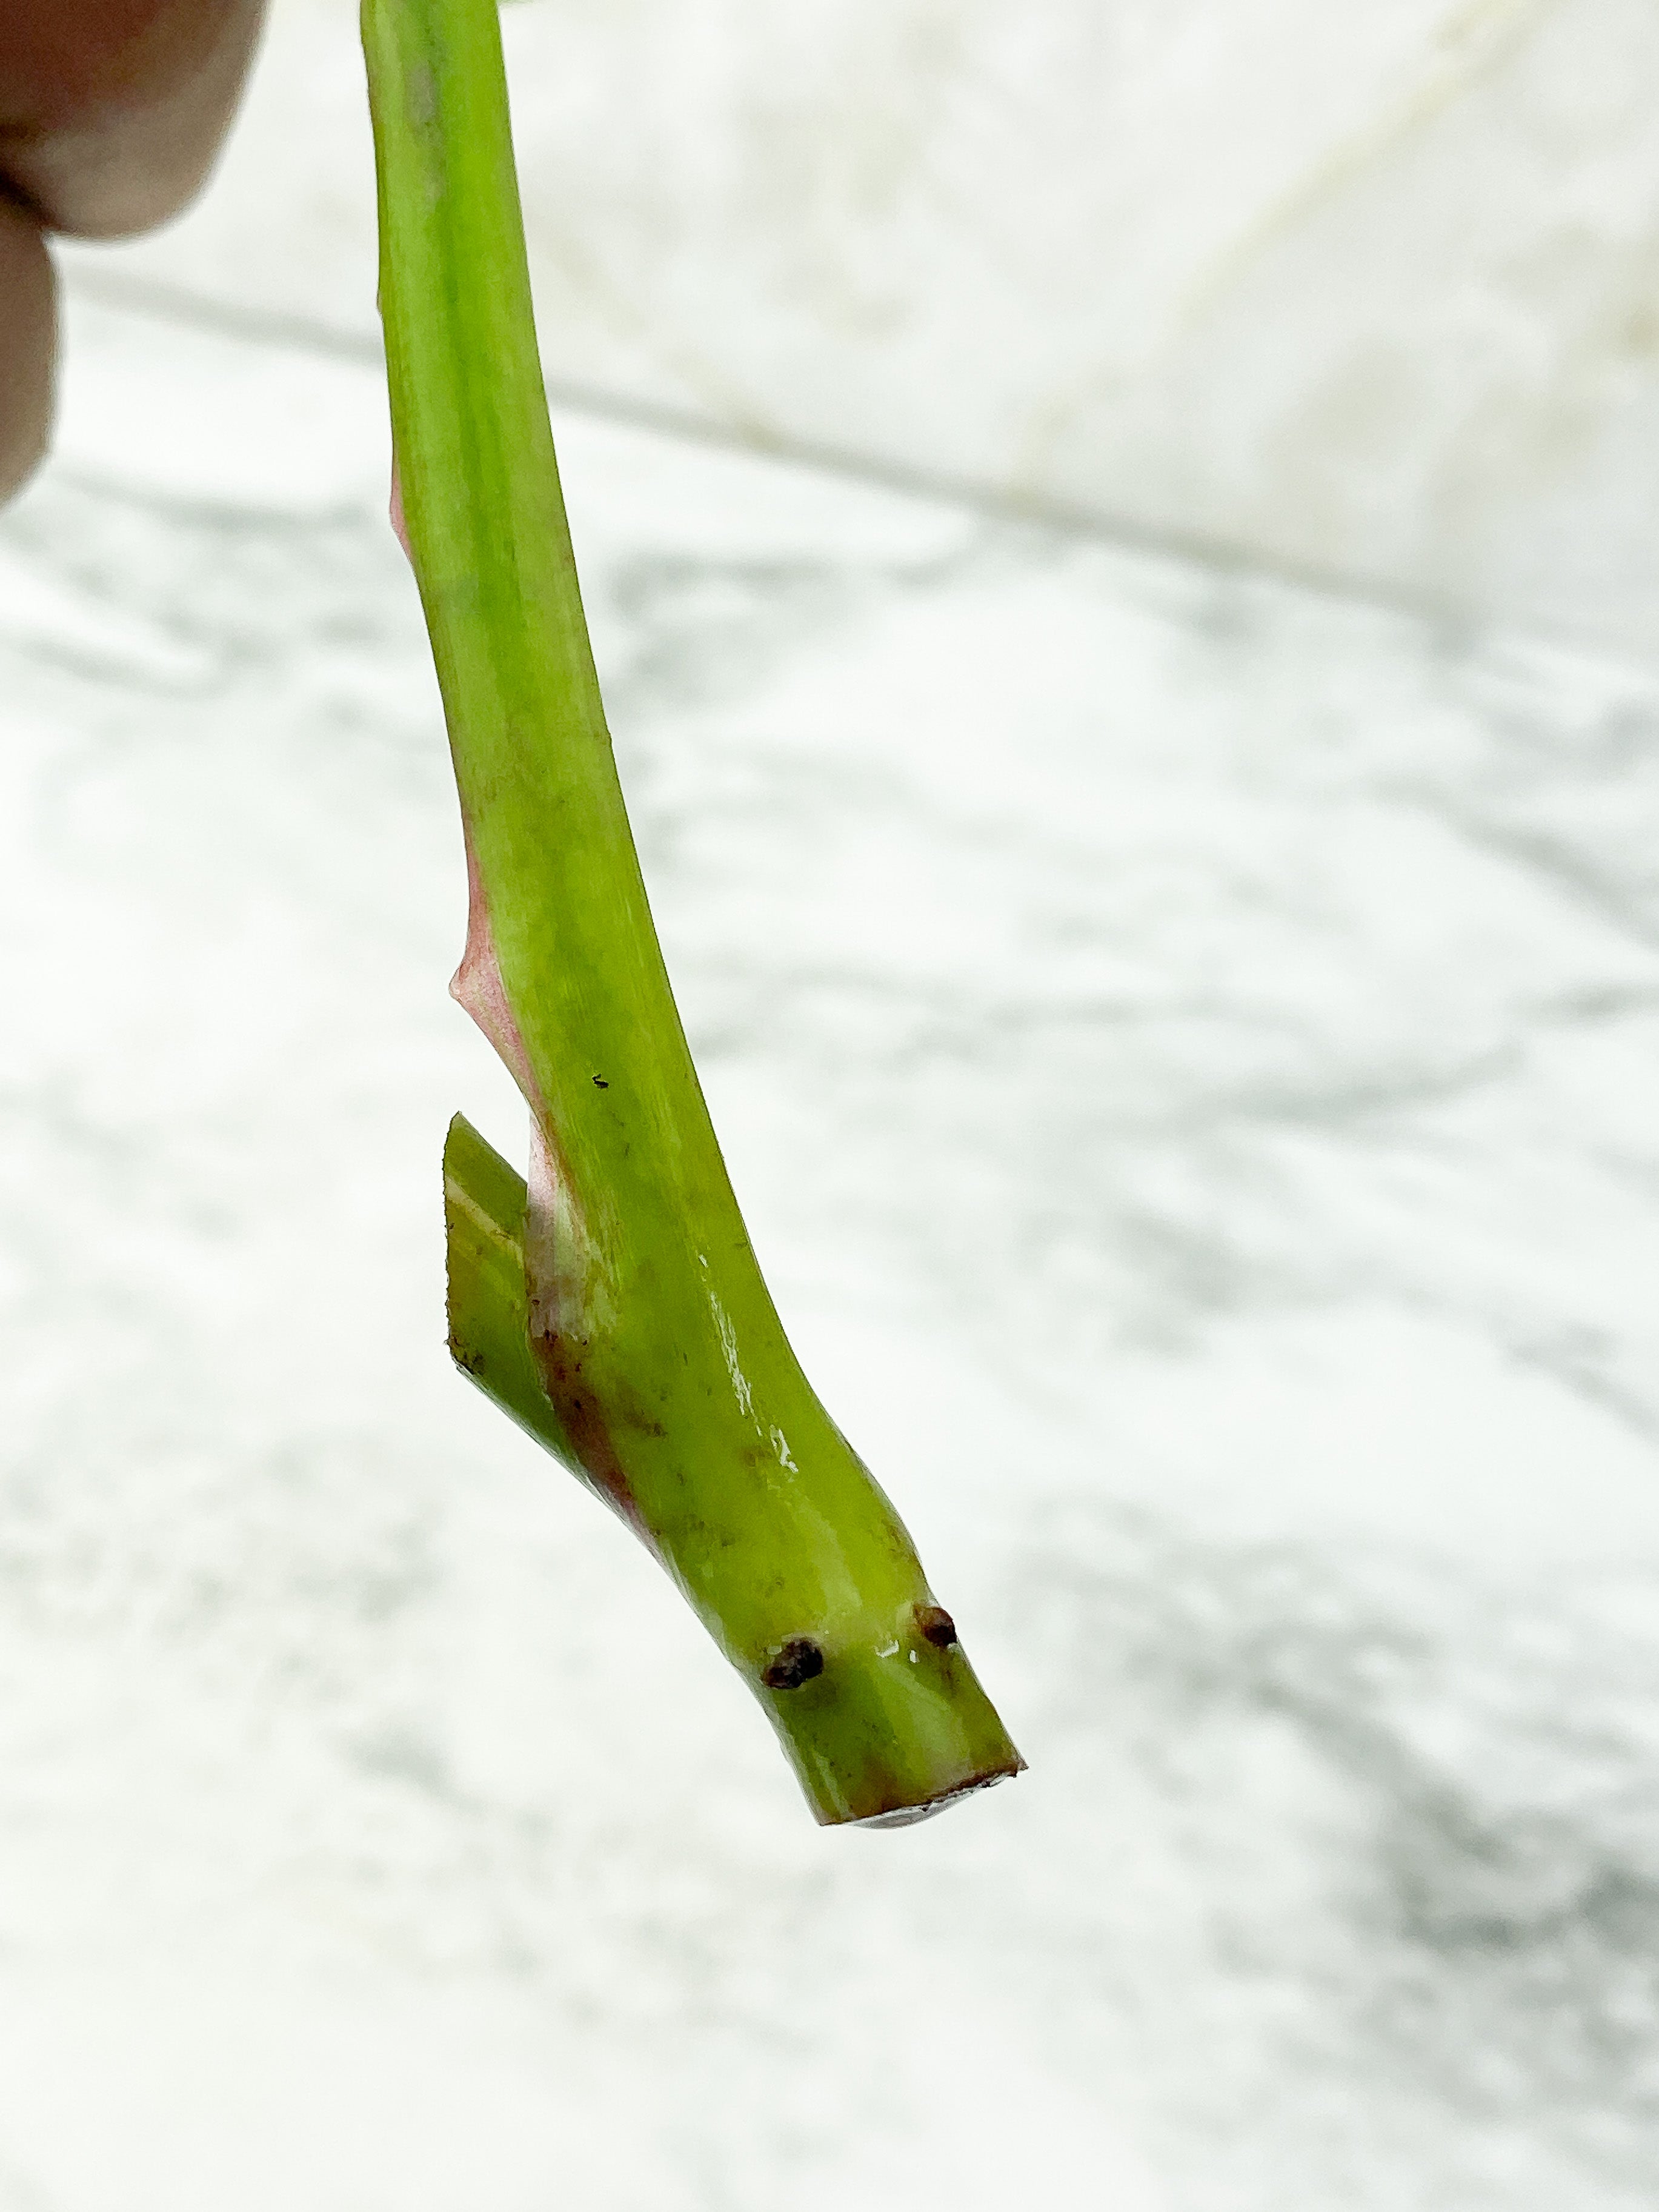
point(1188, 1049)
point(1365, 291)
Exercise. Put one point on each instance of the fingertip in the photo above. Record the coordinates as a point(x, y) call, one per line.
point(28, 345)
point(110, 132)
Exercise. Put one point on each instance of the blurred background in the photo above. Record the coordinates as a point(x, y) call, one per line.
point(1120, 548)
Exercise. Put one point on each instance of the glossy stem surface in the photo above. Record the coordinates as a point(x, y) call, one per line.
point(616, 1309)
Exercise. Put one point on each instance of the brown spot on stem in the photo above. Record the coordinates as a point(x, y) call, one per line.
point(590, 1438)
point(794, 1662)
point(937, 1626)
point(591, 1422)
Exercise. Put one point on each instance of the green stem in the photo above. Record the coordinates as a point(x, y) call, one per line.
point(617, 1311)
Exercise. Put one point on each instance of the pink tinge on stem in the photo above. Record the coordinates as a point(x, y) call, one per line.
point(477, 985)
point(397, 513)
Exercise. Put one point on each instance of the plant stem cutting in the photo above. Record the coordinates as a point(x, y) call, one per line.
point(611, 1303)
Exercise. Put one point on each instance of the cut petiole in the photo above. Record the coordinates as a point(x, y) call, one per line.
point(615, 1307)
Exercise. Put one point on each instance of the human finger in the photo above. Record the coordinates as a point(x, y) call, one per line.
point(111, 110)
point(27, 343)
